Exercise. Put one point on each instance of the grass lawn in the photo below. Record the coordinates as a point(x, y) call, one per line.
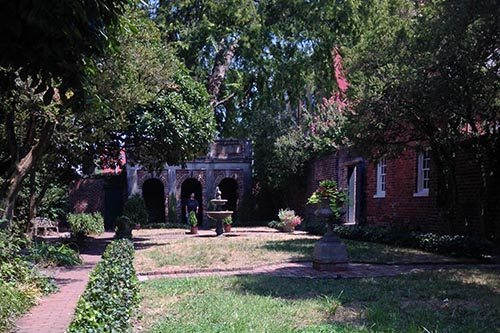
point(440, 301)
point(172, 248)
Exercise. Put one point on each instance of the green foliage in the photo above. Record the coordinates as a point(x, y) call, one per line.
point(192, 219)
point(455, 245)
point(173, 128)
point(172, 208)
point(123, 227)
point(84, 224)
point(228, 220)
point(329, 191)
point(135, 210)
point(287, 219)
point(20, 283)
point(111, 296)
point(48, 254)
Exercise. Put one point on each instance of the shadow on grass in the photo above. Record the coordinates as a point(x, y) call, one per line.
point(301, 248)
point(445, 301)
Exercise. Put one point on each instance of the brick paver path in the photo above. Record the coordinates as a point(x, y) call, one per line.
point(305, 270)
point(54, 312)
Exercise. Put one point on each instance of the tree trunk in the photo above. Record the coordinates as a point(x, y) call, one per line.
point(19, 170)
point(223, 59)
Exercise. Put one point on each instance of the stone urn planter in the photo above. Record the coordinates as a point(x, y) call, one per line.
point(329, 252)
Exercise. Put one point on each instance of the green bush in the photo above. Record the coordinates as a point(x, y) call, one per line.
point(454, 245)
point(54, 255)
point(135, 210)
point(193, 220)
point(112, 294)
point(314, 226)
point(123, 227)
point(84, 224)
point(20, 282)
point(228, 220)
point(164, 226)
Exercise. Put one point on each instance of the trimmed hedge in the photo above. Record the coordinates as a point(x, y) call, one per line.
point(84, 224)
point(112, 294)
point(454, 245)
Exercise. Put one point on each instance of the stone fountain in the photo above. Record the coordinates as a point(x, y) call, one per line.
point(218, 215)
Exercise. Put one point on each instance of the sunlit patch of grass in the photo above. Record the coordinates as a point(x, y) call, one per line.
point(441, 301)
point(169, 248)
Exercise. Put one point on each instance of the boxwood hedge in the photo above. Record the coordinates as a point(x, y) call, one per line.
point(455, 245)
point(111, 297)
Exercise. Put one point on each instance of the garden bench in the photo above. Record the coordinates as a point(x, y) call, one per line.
point(45, 224)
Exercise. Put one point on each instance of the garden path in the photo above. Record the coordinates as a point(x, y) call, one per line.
point(305, 270)
point(54, 312)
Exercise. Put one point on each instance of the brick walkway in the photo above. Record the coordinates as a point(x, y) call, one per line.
point(305, 270)
point(54, 312)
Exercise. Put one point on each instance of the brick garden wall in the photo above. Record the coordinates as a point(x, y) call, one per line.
point(87, 196)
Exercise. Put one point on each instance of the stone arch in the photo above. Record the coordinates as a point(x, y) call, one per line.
point(188, 186)
point(230, 191)
point(153, 192)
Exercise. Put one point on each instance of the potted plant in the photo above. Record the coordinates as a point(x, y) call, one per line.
point(329, 252)
point(287, 220)
point(193, 221)
point(330, 200)
point(227, 223)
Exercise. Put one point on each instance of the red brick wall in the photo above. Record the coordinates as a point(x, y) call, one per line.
point(399, 208)
point(87, 196)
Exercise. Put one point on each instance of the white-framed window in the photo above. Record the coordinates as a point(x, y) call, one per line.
point(381, 178)
point(423, 173)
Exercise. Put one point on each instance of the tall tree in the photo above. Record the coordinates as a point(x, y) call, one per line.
point(43, 46)
point(436, 82)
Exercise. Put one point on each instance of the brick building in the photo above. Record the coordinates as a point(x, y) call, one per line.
point(402, 192)
point(228, 165)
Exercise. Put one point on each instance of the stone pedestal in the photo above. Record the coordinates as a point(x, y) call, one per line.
point(330, 254)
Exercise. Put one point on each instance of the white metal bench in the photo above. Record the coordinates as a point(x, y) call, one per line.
point(45, 224)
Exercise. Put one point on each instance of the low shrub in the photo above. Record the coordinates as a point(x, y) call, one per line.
point(84, 224)
point(21, 284)
point(135, 210)
point(112, 296)
point(164, 226)
point(454, 245)
point(314, 226)
point(47, 254)
point(123, 227)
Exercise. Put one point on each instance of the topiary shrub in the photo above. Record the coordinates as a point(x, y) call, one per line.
point(83, 224)
point(192, 219)
point(123, 227)
point(112, 295)
point(135, 210)
point(172, 209)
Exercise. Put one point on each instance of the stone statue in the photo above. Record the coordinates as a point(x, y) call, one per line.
point(218, 193)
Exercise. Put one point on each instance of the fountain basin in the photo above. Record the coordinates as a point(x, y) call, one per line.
point(219, 214)
point(218, 202)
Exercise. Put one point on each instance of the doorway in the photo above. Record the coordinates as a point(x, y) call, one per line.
point(153, 193)
point(189, 186)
